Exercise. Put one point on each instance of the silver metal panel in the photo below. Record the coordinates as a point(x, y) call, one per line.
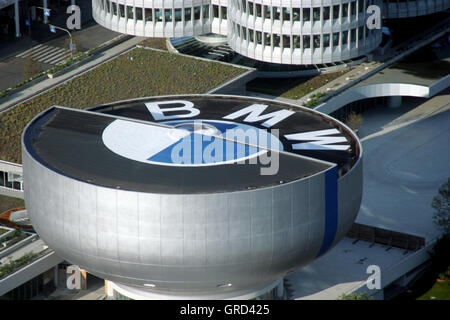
point(186, 243)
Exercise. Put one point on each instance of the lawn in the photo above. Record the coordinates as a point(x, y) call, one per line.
point(439, 291)
point(293, 88)
point(157, 43)
point(138, 73)
point(8, 203)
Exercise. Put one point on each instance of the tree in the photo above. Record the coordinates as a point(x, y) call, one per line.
point(441, 203)
point(31, 67)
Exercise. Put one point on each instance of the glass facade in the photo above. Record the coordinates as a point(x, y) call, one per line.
point(11, 180)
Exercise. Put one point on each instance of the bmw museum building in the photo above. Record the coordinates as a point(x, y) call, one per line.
point(192, 196)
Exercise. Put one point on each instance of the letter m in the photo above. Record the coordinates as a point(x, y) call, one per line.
point(254, 111)
point(319, 140)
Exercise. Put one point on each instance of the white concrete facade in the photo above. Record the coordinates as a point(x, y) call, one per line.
point(286, 32)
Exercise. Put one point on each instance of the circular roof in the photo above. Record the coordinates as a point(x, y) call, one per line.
point(190, 144)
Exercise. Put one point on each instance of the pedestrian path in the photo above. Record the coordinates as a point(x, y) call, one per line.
point(46, 54)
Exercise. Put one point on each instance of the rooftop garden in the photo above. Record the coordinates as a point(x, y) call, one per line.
point(138, 73)
point(8, 203)
point(293, 88)
point(11, 239)
point(13, 265)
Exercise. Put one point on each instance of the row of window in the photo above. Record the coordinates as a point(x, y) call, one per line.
point(157, 15)
point(297, 41)
point(344, 10)
point(266, 12)
point(11, 180)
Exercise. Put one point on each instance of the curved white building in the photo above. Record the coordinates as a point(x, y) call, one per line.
point(286, 32)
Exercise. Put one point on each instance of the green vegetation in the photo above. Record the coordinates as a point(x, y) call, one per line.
point(293, 88)
point(157, 43)
point(16, 264)
point(314, 99)
point(15, 236)
point(439, 291)
point(354, 296)
point(2, 231)
point(441, 205)
point(139, 73)
point(354, 120)
point(31, 73)
point(8, 203)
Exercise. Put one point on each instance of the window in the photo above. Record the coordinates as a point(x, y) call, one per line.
point(130, 12)
point(276, 13)
point(336, 39)
point(316, 14)
point(286, 41)
point(251, 36)
point(2, 179)
point(244, 33)
point(353, 35)
point(360, 32)
point(122, 10)
point(108, 9)
point(138, 13)
point(258, 37)
point(306, 14)
point(286, 14)
point(178, 16)
point(353, 6)
point(326, 40)
point(344, 37)
point(296, 14)
point(316, 41)
point(197, 12)
point(148, 15)
point(336, 12)
point(326, 13)
point(258, 10)
point(244, 6)
point(361, 6)
point(114, 6)
point(344, 10)
point(250, 9)
point(306, 42)
point(266, 12)
point(224, 12)
point(206, 12)
point(267, 39)
point(215, 11)
point(187, 14)
point(158, 15)
point(168, 15)
point(296, 42)
point(276, 40)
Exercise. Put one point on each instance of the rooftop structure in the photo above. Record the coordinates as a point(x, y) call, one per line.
point(137, 197)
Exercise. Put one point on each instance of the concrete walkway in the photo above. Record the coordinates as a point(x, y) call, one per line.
point(42, 86)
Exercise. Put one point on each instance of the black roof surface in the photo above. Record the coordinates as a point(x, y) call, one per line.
point(69, 141)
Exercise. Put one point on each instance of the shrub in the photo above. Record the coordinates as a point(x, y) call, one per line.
point(354, 120)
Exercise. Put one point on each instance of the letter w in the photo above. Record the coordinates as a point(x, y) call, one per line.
point(318, 140)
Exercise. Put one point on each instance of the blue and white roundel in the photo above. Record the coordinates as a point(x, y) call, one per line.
point(188, 142)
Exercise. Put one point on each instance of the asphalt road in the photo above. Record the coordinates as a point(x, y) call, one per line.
point(12, 67)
